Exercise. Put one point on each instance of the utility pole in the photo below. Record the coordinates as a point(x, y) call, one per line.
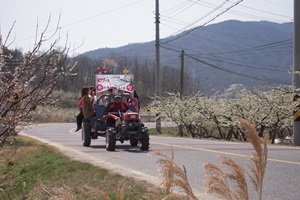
point(296, 127)
point(157, 69)
point(181, 73)
point(157, 45)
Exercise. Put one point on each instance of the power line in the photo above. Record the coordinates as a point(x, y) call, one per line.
point(239, 51)
point(231, 61)
point(184, 8)
point(79, 21)
point(189, 31)
point(222, 69)
point(233, 72)
point(277, 4)
point(209, 5)
point(218, 42)
point(265, 11)
point(176, 7)
point(241, 64)
point(268, 45)
point(196, 21)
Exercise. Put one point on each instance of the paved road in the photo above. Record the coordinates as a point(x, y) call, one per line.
point(282, 178)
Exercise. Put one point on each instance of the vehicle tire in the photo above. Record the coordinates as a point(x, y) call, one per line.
point(86, 134)
point(145, 140)
point(134, 142)
point(110, 140)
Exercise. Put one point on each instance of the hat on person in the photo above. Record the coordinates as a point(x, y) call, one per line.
point(117, 96)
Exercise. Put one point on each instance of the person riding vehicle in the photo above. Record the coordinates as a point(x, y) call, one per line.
point(114, 108)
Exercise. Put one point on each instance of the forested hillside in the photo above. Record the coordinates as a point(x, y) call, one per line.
point(218, 55)
point(250, 54)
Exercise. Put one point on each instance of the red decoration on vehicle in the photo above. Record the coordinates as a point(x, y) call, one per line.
point(102, 70)
point(129, 87)
point(99, 87)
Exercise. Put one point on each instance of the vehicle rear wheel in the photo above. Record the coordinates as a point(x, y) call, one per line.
point(134, 142)
point(145, 140)
point(86, 134)
point(110, 140)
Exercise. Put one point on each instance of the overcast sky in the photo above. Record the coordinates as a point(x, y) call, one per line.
point(114, 23)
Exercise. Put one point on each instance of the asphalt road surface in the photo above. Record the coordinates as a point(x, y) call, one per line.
point(282, 177)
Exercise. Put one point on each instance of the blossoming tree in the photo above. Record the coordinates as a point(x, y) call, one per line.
point(29, 81)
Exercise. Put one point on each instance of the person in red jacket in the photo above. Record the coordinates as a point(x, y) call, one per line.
point(114, 108)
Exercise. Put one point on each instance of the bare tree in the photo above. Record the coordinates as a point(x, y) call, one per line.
point(29, 82)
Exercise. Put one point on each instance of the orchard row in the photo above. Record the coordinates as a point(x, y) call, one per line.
point(200, 116)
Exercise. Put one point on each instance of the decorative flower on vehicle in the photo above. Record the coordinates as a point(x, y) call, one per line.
point(129, 87)
point(102, 70)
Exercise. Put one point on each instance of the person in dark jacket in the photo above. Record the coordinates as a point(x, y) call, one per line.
point(79, 117)
point(114, 108)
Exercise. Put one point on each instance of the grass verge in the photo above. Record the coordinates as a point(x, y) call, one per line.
point(32, 170)
point(165, 131)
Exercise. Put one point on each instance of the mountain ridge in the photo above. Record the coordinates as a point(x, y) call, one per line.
point(261, 50)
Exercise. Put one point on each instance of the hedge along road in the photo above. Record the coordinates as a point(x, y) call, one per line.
point(281, 181)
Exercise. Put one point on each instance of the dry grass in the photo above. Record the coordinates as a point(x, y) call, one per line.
point(259, 158)
point(98, 192)
point(226, 183)
point(218, 181)
point(80, 190)
point(174, 177)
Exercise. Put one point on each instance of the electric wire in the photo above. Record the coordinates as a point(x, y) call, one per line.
point(209, 13)
point(233, 72)
point(202, 38)
point(282, 44)
point(248, 7)
point(179, 22)
point(191, 30)
point(179, 6)
point(241, 64)
point(209, 5)
point(88, 18)
point(279, 5)
point(183, 9)
point(222, 69)
point(259, 47)
point(215, 41)
point(214, 7)
point(232, 61)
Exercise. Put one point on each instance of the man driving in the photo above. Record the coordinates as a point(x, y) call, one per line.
point(114, 108)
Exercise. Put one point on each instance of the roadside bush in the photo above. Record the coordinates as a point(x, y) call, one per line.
point(64, 99)
point(53, 114)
